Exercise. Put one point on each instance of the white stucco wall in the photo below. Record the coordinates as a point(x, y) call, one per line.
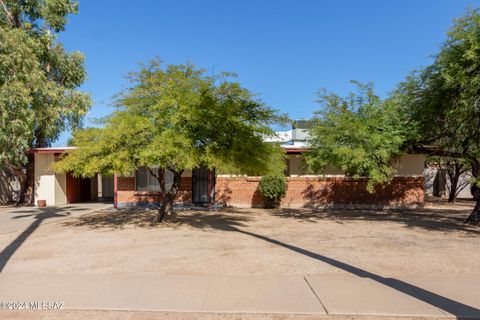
point(44, 178)
point(298, 167)
point(60, 189)
point(407, 165)
point(49, 186)
point(411, 165)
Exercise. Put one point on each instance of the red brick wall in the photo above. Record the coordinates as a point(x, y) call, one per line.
point(301, 192)
point(126, 193)
point(312, 191)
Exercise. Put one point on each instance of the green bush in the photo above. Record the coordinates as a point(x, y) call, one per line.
point(272, 189)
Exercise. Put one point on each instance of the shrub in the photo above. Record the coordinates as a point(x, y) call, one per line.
point(272, 189)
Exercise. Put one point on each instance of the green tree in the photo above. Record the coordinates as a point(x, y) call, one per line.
point(442, 101)
point(359, 134)
point(435, 111)
point(177, 118)
point(38, 83)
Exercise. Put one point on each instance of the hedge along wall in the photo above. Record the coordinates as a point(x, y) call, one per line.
point(314, 191)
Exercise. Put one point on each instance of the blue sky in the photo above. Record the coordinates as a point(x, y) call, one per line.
point(283, 50)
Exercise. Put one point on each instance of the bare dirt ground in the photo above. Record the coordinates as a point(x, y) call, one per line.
point(423, 242)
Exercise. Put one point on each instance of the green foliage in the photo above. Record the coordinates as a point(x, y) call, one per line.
point(359, 134)
point(272, 188)
point(177, 117)
point(38, 78)
point(436, 111)
point(475, 182)
point(442, 100)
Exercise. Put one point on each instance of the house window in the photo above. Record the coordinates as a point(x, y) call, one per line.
point(145, 181)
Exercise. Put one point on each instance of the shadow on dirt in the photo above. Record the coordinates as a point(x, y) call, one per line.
point(438, 219)
point(121, 218)
point(231, 220)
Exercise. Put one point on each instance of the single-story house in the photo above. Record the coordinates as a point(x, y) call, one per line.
point(202, 186)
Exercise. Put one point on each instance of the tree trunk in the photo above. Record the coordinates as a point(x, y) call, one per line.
point(166, 208)
point(168, 195)
point(454, 171)
point(474, 217)
point(453, 193)
point(453, 188)
point(27, 183)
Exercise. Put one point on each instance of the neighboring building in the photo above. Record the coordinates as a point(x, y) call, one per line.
point(438, 184)
point(9, 188)
point(201, 186)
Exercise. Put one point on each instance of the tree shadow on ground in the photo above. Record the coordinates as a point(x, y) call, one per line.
point(39, 215)
point(232, 220)
point(438, 219)
point(122, 218)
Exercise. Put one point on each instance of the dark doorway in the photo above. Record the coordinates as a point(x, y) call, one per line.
point(200, 185)
point(78, 189)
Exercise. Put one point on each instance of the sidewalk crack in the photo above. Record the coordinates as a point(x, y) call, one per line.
point(315, 294)
point(206, 293)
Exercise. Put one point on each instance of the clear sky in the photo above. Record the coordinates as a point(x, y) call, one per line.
point(283, 50)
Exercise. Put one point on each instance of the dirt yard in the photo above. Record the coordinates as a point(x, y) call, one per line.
point(429, 242)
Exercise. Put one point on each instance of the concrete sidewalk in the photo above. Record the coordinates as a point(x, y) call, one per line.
point(327, 294)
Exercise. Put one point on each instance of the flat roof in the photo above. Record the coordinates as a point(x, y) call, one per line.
point(288, 149)
point(51, 149)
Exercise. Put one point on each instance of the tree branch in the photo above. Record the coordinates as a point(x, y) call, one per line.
point(436, 151)
point(7, 13)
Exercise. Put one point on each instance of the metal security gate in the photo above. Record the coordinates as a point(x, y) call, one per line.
point(200, 185)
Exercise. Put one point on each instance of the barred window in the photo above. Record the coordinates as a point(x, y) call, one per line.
point(145, 181)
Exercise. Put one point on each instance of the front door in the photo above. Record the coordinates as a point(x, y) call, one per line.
point(200, 185)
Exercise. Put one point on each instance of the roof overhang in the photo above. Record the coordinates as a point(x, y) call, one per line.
point(51, 150)
point(295, 150)
point(288, 149)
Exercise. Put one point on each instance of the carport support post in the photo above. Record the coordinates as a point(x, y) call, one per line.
point(115, 184)
point(211, 187)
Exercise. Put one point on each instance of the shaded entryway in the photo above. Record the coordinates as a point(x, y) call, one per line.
point(200, 185)
point(79, 189)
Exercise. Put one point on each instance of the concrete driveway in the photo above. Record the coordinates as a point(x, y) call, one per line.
point(21, 218)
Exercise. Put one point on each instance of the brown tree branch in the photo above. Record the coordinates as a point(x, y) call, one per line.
point(436, 151)
point(7, 13)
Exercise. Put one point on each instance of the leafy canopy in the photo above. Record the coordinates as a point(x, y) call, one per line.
point(177, 117)
point(38, 78)
point(435, 111)
point(359, 134)
point(443, 99)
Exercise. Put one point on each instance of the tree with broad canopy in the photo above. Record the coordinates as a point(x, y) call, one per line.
point(176, 118)
point(435, 111)
point(359, 134)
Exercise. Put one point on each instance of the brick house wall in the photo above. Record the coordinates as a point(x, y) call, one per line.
point(317, 191)
point(302, 191)
point(127, 195)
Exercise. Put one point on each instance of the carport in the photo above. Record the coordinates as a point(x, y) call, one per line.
point(64, 188)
